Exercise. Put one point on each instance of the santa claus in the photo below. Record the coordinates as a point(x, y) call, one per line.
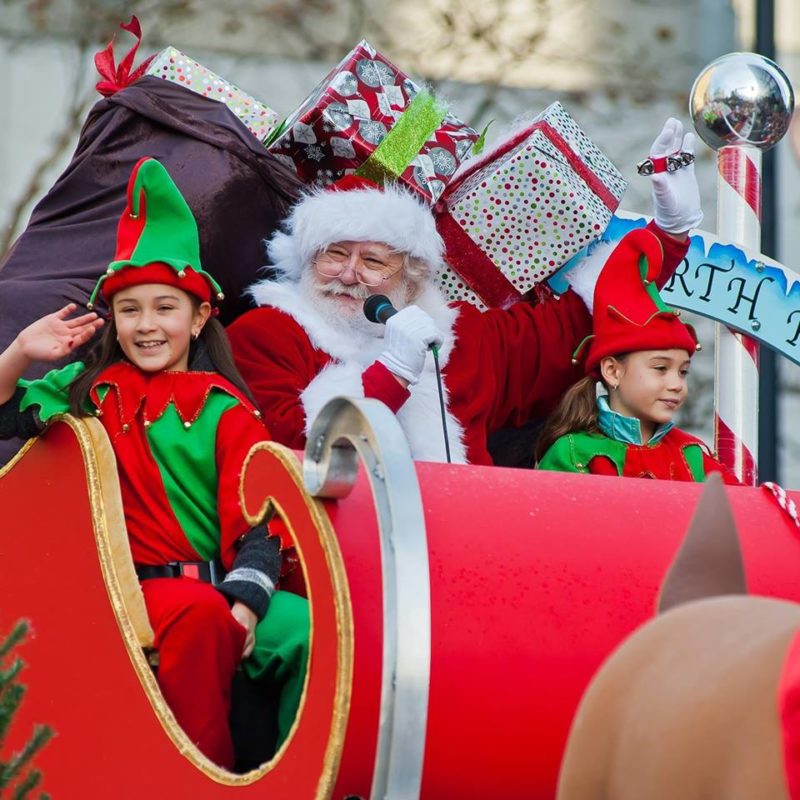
point(309, 340)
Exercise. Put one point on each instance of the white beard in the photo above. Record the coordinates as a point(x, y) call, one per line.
point(343, 315)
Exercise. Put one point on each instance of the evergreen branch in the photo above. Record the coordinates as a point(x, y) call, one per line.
point(31, 781)
point(6, 676)
point(10, 699)
point(41, 735)
point(17, 634)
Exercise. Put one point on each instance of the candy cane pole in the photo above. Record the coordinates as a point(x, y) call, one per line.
point(741, 104)
point(736, 355)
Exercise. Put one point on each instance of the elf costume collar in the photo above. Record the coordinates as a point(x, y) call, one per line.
point(152, 393)
point(627, 430)
point(157, 240)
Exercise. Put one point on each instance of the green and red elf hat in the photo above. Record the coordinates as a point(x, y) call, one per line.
point(157, 240)
point(629, 314)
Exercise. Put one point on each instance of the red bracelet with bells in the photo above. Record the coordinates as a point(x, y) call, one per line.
point(654, 164)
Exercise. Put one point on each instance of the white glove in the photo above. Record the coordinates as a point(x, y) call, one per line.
point(676, 195)
point(409, 333)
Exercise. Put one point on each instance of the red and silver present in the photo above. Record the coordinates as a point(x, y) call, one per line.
point(515, 216)
point(172, 65)
point(353, 121)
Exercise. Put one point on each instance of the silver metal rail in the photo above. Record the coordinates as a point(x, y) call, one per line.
point(345, 430)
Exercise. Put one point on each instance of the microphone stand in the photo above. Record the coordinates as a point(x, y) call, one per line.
point(435, 351)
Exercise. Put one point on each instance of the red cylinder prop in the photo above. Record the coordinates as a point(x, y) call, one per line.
point(534, 579)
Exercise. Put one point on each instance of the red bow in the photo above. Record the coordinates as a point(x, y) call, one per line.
point(116, 78)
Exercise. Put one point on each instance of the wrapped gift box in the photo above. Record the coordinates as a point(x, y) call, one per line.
point(172, 65)
point(366, 116)
point(517, 215)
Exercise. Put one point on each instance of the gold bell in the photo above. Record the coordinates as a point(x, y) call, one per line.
point(181, 273)
point(187, 424)
point(220, 296)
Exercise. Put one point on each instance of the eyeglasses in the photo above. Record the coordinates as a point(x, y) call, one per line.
point(371, 269)
point(673, 163)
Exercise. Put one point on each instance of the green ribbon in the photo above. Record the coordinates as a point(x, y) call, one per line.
point(392, 156)
point(477, 148)
point(279, 129)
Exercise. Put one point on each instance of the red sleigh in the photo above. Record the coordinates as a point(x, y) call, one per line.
point(457, 613)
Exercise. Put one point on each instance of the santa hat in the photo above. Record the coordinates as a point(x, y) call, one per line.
point(355, 209)
point(629, 314)
point(157, 239)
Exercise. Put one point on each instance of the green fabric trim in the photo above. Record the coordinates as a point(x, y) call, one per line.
point(574, 452)
point(50, 391)
point(652, 290)
point(693, 454)
point(186, 459)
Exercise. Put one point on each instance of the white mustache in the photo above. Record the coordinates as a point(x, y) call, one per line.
point(356, 291)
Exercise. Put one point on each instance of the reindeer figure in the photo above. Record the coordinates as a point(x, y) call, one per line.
point(704, 700)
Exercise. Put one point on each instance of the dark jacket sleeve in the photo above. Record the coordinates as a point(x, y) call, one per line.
point(255, 571)
point(22, 424)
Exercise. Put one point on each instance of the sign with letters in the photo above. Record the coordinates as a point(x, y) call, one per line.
point(739, 288)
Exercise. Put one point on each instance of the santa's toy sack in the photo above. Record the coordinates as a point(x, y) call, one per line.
point(457, 612)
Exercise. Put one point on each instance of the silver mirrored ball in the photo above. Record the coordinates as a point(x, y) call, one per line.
point(741, 99)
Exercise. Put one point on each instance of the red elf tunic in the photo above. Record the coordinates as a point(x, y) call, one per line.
point(671, 454)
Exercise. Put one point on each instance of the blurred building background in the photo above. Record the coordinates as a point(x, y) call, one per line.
point(621, 67)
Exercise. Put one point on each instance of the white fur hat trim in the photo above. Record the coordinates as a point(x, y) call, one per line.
point(391, 215)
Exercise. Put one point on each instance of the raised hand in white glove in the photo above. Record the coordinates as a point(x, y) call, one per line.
point(409, 334)
point(676, 195)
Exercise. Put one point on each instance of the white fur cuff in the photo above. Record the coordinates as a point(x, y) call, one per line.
point(583, 276)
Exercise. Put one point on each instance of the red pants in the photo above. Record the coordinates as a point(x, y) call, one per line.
point(199, 646)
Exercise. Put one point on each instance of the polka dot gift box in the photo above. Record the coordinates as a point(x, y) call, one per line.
point(512, 218)
point(172, 65)
point(367, 117)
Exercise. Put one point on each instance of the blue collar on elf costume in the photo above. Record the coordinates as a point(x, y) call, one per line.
point(627, 430)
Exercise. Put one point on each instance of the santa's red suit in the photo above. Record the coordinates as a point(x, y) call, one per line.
point(500, 368)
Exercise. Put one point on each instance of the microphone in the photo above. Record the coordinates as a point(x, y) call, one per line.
point(378, 308)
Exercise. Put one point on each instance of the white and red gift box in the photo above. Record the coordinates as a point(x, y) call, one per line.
point(345, 126)
point(515, 216)
point(173, 65)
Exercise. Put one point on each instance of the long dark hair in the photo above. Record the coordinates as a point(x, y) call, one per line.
point(210, 352)
point(577, 411)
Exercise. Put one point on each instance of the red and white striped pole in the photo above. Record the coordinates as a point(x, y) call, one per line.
point(741, 104)
point(736, 355)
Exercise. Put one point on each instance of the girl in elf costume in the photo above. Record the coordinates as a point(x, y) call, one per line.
point(162, 382)
point(640, 351)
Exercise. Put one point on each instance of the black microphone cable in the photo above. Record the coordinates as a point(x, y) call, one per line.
point(378, 308)
point(435, 350)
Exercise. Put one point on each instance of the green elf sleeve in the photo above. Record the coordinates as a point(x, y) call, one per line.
point(49, 393)
point(560, 457)
point(574, 453)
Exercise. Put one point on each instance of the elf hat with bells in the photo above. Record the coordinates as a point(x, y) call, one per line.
point(629, 314)
point(157, 240)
